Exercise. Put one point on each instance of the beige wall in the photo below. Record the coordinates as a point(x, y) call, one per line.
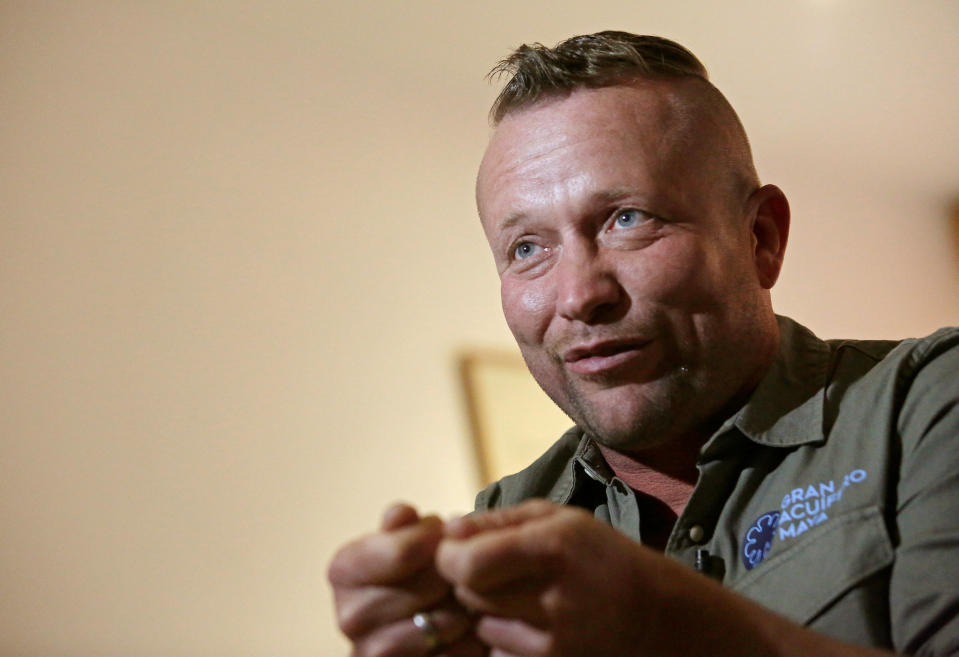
point(238, 253)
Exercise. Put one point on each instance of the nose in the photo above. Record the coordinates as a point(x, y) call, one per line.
point(587, 289)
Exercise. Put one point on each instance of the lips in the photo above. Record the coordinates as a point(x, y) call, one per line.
point(603, 357)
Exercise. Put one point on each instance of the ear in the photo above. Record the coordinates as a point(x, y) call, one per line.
point(770, 228)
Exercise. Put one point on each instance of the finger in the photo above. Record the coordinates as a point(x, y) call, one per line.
point(360, 610)
point(466, 646)
point(522, 600)
point(386, 558)
point(475, 523)
point(398, 515)
point(404, 638)
point(512, 637)
point(493, 559)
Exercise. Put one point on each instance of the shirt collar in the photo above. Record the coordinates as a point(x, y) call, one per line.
point(786, 409)
point(585, 469)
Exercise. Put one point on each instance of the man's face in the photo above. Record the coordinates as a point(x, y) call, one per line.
point(626, 261)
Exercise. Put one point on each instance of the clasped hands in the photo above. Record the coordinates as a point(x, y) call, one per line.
point(533, 580)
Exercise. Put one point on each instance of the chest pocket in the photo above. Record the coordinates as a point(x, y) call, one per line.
point(805, 578)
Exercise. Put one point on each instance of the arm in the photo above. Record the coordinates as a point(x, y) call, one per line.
point(924, 583)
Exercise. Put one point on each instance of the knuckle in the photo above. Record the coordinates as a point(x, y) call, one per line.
point(558, 605)
point(342, 565)
point(409, 556)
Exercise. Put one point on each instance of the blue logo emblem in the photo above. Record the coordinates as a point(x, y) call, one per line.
point(759, 538)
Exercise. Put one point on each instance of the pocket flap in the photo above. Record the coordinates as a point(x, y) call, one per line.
point(830, 559)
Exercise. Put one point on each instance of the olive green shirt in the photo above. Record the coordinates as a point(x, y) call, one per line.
point(831, 496)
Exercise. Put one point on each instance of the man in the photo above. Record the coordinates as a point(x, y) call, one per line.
point(814, 486)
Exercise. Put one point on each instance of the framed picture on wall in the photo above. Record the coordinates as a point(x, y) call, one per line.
point(512, 421)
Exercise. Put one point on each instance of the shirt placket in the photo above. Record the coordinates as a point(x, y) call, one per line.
point(692, 538)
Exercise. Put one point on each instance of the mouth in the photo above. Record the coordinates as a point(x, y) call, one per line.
point(603, 357)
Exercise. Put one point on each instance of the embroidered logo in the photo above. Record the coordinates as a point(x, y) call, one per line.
point(804, 508)
point(801, 509)
point(759, 538)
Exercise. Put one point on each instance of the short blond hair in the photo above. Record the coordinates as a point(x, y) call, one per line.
point(592, 60)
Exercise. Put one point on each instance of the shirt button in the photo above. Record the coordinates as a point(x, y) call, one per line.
point(696, 533)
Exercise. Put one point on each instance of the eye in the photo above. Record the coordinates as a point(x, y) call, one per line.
point(629, 218)
point(525, 250)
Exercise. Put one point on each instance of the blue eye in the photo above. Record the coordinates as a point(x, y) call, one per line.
point(525, 250)
point(629, 218)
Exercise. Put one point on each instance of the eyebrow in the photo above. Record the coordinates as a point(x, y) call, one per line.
point(511, 220)
point(614, 194)
point(602, 197)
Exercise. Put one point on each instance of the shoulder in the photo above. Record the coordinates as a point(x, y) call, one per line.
point(927, 377)
point(928, 365)
point(908, 390)
point(550, 476)
point(908, 355)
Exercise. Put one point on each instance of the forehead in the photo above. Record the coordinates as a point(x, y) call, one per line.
point(628, 131)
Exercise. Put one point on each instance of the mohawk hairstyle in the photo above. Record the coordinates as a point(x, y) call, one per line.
point(591, 60)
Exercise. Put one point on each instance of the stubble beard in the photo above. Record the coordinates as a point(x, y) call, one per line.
point(666, 414)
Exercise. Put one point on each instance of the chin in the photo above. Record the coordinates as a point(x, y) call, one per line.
point(646, 433)
point(638, 417)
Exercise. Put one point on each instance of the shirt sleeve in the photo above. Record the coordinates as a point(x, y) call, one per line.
point(486, 498)
point(924, 584)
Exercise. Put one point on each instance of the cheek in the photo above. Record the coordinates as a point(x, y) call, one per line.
point(527, 309)
point(672, 279)
point(534, 301)
point(683, 275)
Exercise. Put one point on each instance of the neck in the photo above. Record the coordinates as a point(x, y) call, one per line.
point(666, 472)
